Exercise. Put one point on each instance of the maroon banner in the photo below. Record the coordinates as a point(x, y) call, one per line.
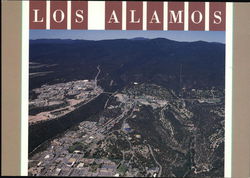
point(154, 15)
point(134, 15)
point(196, 13)
point(58, 14)
point(176, 16)
point(37, 14)
point(79, 15)
point(113, 15)
point(217, 12)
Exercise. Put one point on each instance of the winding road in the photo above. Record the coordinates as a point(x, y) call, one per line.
point(152, 153)
point(99, 70)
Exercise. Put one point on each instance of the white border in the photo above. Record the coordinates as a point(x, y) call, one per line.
point(24, 89)
point(228, 90)
point(98, 24)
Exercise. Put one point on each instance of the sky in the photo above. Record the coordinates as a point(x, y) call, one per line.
point(209, 36)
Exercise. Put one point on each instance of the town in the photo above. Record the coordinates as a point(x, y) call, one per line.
point(59, 99)
point(117, 144)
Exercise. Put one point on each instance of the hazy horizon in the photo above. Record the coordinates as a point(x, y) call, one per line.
point(97, 35)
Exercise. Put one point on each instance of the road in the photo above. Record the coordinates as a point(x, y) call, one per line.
point(99, 70)
point(160, 167)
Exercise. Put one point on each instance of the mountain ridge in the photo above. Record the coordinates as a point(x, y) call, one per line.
point(132, 39)
point(122, 60)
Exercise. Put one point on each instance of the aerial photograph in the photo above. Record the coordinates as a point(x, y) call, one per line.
point(126, 103)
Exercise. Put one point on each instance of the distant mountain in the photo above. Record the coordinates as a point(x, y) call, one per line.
point(160, 61)
point(139, 38)
point(51, 41)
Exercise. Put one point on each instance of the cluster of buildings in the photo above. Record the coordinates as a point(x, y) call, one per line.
point(49, 95)
point(58, 160)
point(56, 100)
point(74, 165)
point(69, 155)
